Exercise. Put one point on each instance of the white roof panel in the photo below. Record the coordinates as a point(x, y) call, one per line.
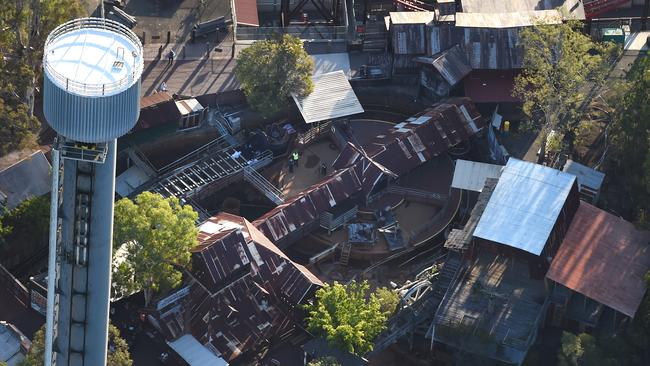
point(194, 353)
point(188, 106)
point(524, 206)
point(93, 56)
point(332, 97)
point(471, 175)
point(411, 17)
point(588, 177)
point(329, 62)
point(508, 20)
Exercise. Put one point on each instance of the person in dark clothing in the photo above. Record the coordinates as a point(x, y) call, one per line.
point(291, 164)
point(171, 56)
point(323, 169)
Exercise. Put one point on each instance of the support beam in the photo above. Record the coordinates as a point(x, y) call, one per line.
point(51, 260)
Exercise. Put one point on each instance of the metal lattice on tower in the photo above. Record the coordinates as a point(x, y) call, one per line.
point(92, 70)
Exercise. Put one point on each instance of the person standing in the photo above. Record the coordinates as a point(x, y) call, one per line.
point(295, 156)
point(291, 164)
point(171, 56)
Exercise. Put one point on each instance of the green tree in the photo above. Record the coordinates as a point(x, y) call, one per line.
point(582, 350)
point(117, 355)
point(388, 300)
point(24, 26)
point(271, 71)
point(347, 316)
point(560, 65)
point(158, 234)
point(28, 223)
point(324, 361)
point(630, 138)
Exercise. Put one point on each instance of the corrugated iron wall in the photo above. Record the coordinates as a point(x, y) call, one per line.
point(91, 119)
point(486, 48)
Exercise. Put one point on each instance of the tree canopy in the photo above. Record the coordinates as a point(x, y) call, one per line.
point(348, 316)
point(270, 71)
point(324, 361)
point(628, 347)
point(28, 223)
point(630, 138)
point(560, 66)
point(24, 26)
point(118, 350)
point(158, 234)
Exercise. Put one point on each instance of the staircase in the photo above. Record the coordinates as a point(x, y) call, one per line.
point(216, 119)
point(141, 161)
point(374, 37)
point(446, 275)
point(264, 186)
point(224, 166)
point(345, 254)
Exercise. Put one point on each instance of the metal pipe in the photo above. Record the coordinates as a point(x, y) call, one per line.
point(51, 262)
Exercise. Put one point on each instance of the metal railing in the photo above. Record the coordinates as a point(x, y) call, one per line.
point(299, 31)
point(257, 180)
point(86, 88)
point(314, 132)
point(208, 148)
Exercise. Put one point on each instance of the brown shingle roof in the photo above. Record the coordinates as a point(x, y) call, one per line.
point(604, 258)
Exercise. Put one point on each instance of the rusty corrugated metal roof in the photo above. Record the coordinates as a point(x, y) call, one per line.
point(243, 291)
point(153, 99)
point(402, 148)
point(604, 258)
point(452, 64)
point(246, 13)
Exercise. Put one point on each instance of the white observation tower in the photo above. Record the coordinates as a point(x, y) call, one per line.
point(92, 70)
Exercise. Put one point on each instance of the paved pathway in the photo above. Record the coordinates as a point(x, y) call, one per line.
point(195, 77)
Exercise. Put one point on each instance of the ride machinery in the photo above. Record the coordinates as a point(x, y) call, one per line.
point(91, 92)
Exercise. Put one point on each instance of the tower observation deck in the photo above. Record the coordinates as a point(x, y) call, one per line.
point(91, 91)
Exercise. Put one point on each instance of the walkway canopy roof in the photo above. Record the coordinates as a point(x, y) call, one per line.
point(332, 98)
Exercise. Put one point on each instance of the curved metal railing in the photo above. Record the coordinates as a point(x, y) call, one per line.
point(89, 89)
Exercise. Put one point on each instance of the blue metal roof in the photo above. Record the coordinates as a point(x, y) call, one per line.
point(524, 206)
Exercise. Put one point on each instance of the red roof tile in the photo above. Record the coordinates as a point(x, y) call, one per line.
point(604, 258)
